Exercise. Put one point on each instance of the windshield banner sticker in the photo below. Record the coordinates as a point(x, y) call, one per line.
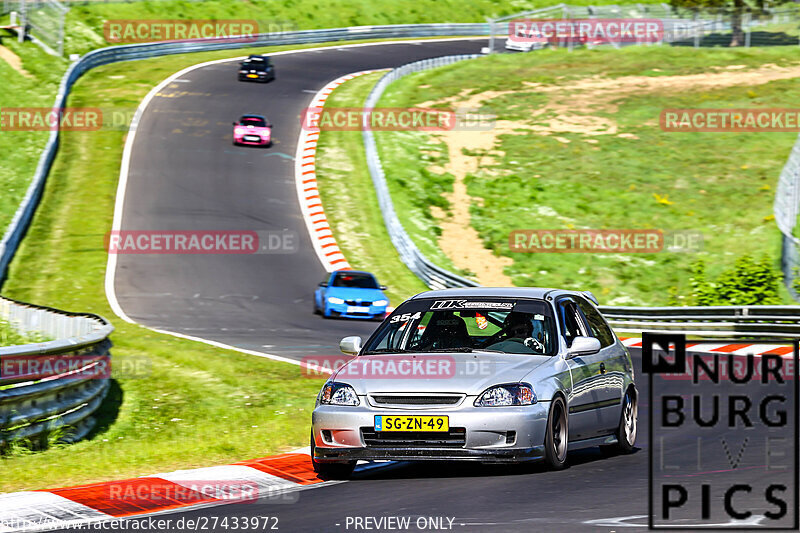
point(466, 304)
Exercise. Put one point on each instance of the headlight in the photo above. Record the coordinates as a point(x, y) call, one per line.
point(239, 131)
point(510, 394)
point(335, 300)
point(380, 302)
point(338, 394)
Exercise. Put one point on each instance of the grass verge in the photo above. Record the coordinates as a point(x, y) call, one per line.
point(20, 150)
point(9, 336)
point(351, 205)
point(541, 174)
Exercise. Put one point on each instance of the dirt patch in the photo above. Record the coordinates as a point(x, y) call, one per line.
point(570, 110)
point(13, 59)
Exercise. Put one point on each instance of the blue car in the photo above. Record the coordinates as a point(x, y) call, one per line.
point(351, 294)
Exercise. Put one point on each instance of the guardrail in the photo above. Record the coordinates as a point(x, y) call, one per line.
point(778, 321)
point(54, 384)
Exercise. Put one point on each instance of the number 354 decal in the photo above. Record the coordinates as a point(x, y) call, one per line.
point(405, 317)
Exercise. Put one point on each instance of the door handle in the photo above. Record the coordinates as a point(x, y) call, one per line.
point(602, 368)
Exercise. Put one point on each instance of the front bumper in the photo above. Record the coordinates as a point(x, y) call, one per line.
point(511, 455)
point(261, 142)
point(261, 77)
point(361, 311)
point(492, 434)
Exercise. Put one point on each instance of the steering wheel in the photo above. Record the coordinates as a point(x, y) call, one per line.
point(534, 343)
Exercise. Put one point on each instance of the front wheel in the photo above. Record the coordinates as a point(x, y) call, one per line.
point(331, 470)
point(555, 440)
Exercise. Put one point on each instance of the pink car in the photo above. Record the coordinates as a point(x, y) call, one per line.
point(252, 129)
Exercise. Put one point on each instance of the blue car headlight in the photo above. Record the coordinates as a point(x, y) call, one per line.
point(334, 393)
point(380, 303)
point(335, 300)
point(507, 395)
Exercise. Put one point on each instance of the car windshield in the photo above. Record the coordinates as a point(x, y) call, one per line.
point(253, 121)
point(507, 326)
point(359, 281)
point(255, 64)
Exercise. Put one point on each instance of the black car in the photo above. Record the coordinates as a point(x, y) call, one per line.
point(257, 68)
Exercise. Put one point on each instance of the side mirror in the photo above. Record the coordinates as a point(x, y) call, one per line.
point(323, 283)
point(583, 346)
point(350, 345)
point(383, 287)
point(235, 124)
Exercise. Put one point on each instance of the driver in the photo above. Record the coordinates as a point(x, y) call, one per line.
point(519, 330)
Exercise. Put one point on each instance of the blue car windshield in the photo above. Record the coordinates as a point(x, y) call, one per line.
point(358, 281)
point(521, 328)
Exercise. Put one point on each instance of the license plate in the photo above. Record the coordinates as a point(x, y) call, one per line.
point(252, 75)
point(356, 309)
point(411, 423)
point(253, 138)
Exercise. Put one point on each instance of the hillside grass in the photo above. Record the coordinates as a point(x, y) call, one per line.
point(351, 205)
point(721, 184)
point(20, 150)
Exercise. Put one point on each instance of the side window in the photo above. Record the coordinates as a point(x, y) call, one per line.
point(571, 322)
point(597, 323)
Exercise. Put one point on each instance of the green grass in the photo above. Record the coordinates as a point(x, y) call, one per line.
point(20, 150)
point(9, 336)
point(346, 188)
point(86, 21)
point(721, 184)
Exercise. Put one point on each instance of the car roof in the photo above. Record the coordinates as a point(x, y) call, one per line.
point(256, 57)
point(354, 272)
point(498, 292)
point(253, 116)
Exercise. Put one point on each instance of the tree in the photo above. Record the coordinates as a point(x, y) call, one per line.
point(735, 8)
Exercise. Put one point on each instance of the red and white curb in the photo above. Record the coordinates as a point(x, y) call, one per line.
point(263, 479)
point(783, 350)
point(317, 223)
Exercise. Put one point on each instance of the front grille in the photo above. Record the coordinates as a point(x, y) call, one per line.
point(455, 438)
point(354, 302)
point(385, 399)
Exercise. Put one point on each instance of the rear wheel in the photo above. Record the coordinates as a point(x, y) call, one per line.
point(626, 432)
point(331, 470)
point(555, 440)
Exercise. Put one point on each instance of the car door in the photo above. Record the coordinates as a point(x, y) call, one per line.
point(585, 419)
point(613, 365)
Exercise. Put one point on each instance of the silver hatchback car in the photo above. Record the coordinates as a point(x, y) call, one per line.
point(483, 374)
